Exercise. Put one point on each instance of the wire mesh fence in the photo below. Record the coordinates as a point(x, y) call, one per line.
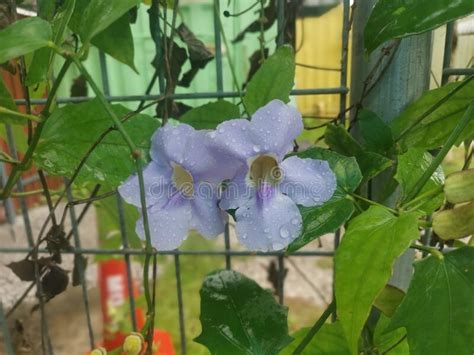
point(78, 209)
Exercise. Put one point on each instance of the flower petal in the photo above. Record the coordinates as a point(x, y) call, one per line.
point(275, 126)
point(268, 224)
point(237, 192)
point(202, 162)
point(308, 182)
point(157, 179)
point(207, 219)
point(169, 225)
point(233, 139)
point(168, 143)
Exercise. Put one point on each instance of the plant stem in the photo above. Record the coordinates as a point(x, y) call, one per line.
point(370, 202)
point(231, 63)
point(468, 115)
point(315, 328)
point(433, 192)
point(433, 251)
point(137, 157)
point(25, 163)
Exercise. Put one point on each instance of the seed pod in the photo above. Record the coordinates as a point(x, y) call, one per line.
point(98, 351)
point(459, 186)
point(133, 344)
point(455, 223)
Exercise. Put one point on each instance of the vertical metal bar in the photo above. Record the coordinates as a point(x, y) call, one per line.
point(405, 78)
point(182, 328)
point(6, 332)
point(45, 339)
point(79, 265)
point(220, 87)
point(123, 230)
point(7, 203)
point(448, 50)
point(123, 234)
point(218, 46)
point(280, 41)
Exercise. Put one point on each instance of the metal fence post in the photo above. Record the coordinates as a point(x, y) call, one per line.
point(402, 76)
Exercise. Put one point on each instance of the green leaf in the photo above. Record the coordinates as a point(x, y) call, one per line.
point(411, 167)
point(434, 129)
point(439, 299)
point(70, 131)
point(117, 41)
point(92, 19)
point(376, 133)
point(240, 317)
point(208, 116)
point(24, 36)
point(386, 341)
point(273, 80)
point(363, 264)
point(327, 218)
point(328, 340)
point(40, 66)
point(371, 164)
point(400, 18)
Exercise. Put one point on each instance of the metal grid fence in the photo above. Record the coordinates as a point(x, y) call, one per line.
point(76, 216)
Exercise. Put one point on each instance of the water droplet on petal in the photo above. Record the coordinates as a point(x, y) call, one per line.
point(244, 236)
point(295, 221)
point(256, 148)
point(212, 135)
point(277, 246)
point(284, 233)
point(221, 130)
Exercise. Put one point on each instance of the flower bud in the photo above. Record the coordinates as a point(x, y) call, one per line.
point(133, 344)
point(459, 186)
point(98, 351)
point(455, 223)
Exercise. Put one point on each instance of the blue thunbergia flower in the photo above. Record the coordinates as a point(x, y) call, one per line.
point(265, 188)
point(181, 188)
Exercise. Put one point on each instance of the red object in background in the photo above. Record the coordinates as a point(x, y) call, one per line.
point(114, 295)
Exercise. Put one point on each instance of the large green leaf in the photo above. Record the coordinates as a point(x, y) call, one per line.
point(24, 36)
point(433, 130)
point(376, 133)
point(42, 59)
point(70, 131)
point(411, 167)
point(331, 215)
point(328, 340)
point(371, 164)
point(363, 263)
point(117, 41)
point(240, 317)
point(400, 18)
point(273, 80)
point(98, 15)
point(393, 342)
point(440, 300)
point(208, 116)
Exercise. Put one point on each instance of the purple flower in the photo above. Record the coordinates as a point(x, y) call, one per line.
point(265, 188)
point(181, 184)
